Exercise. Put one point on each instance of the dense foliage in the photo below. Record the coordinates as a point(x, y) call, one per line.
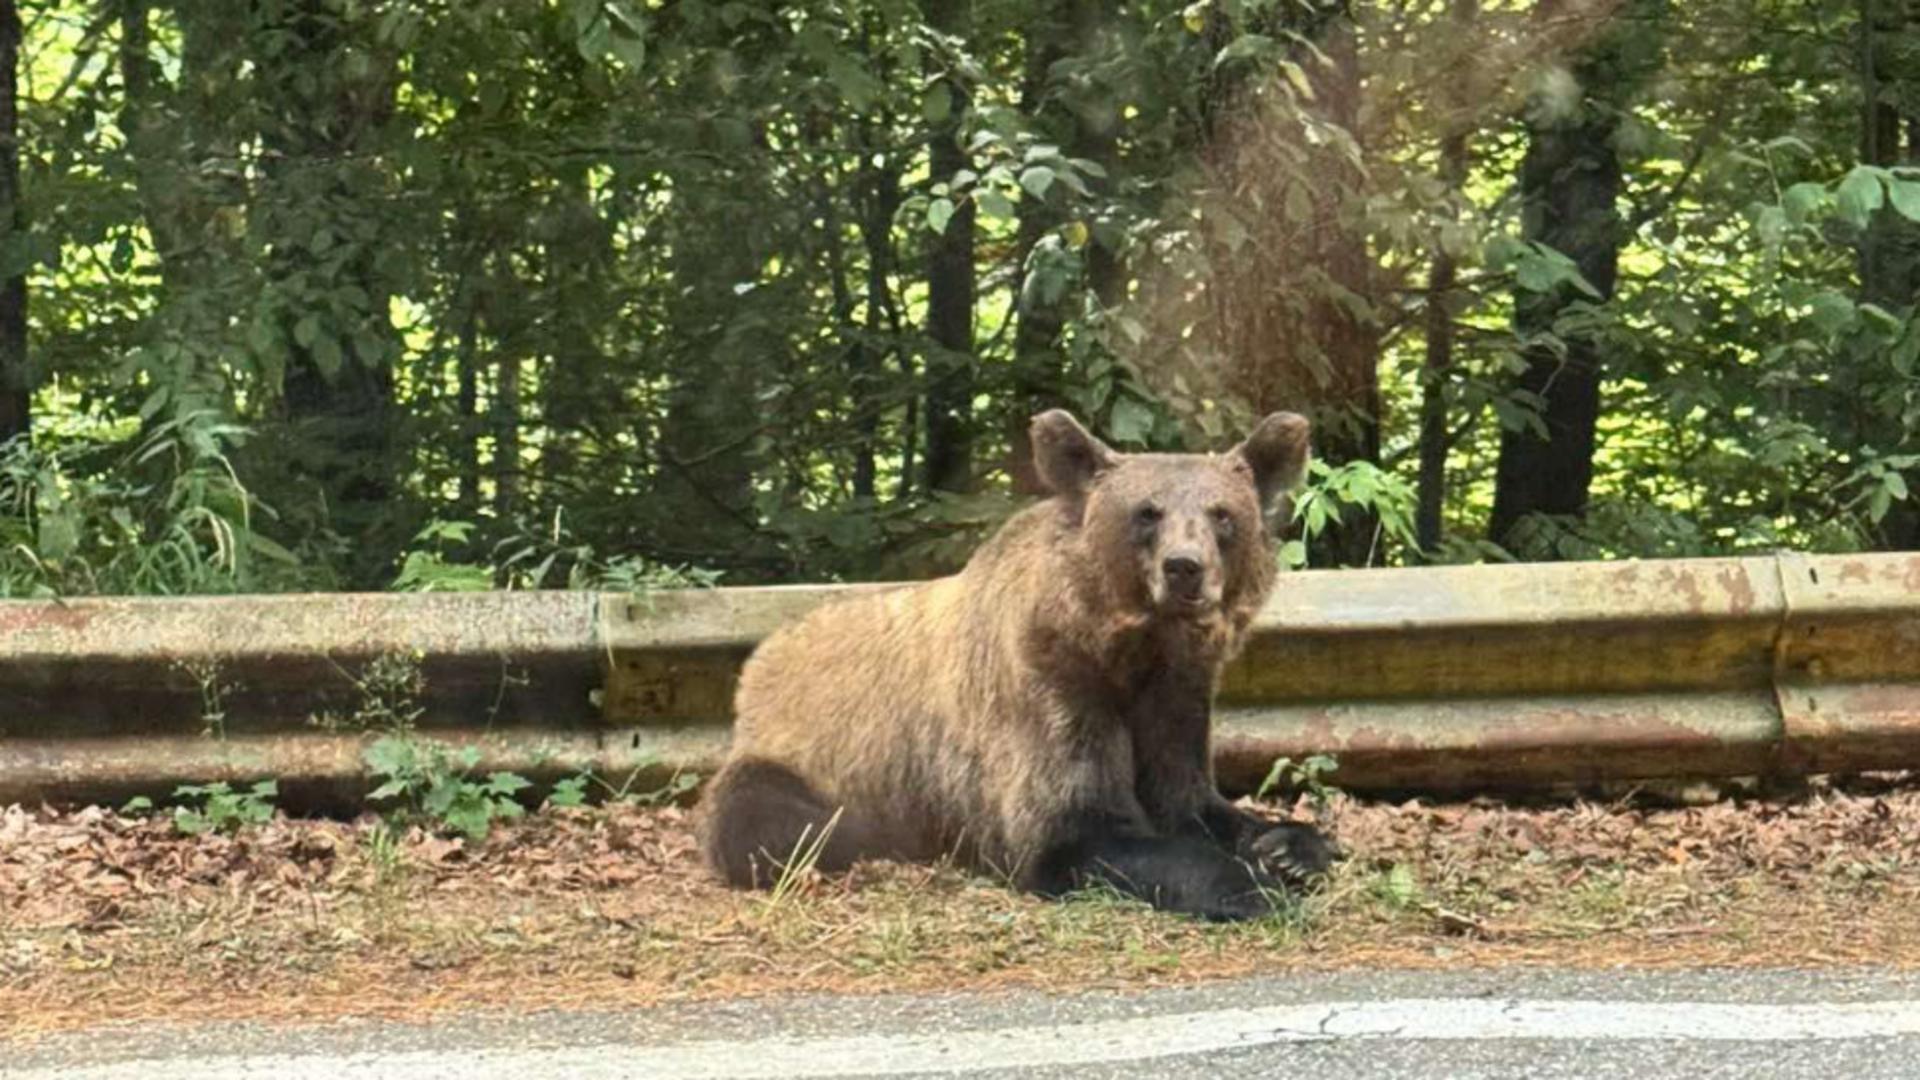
point(350, 293)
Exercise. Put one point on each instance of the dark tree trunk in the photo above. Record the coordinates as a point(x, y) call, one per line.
point(16, 378)
point(338, 386)
point(1349, 421)
point(950, 282)
point(506, 435)
point(1889, 248)
point(708, 436)
point(1570, 182)
point(880, 198)
point(576, 251)
point(1436, 374)
point(173, 127)
point(467, 404)
point(1036, 334)
point(1087, 129)
point(1435, 377)
point(574, 386)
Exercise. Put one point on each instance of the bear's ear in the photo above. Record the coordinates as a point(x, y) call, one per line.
point(1065, 455)
point(1276, 454)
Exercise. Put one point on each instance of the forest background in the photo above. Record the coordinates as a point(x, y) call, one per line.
point(329, 294)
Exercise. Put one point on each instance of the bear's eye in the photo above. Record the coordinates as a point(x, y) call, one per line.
point(1222, 521)
point(1146, 517)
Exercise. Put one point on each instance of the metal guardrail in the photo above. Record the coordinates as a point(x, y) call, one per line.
point(1442, 680)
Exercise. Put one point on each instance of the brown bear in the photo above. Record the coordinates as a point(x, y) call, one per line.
point(1043, 714)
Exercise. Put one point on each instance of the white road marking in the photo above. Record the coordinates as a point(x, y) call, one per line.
point(1091, 1043)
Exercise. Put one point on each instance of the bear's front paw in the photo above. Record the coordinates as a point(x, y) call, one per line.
point(1294, 852)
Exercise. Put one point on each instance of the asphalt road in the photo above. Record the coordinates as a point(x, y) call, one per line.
point(1530, 1024)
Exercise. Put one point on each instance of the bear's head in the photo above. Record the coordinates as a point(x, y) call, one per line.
point(1178, 534)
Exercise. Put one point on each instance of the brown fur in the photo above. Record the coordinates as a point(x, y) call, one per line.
point(1058, 684)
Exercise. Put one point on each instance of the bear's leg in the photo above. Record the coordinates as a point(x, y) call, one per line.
point(1170, 723)
point(1184, 874)
point(761, 815)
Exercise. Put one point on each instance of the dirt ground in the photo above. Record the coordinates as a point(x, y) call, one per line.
point(105, 917)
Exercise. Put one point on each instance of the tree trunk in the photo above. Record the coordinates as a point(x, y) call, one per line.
point(880, 198)
point(1436, 374)
point(337, 390)
point(1348, 340)
point(467, 404)
point(1064, 28)
point(705, 491)
point(506, 435)
point(576, 250)
point(950, 282)
point(16, 378)
point(1570, 181)
point(1286, 318)
point(1889, 248)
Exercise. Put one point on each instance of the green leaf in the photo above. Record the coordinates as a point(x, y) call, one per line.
point(1905, 197)
point(1293, 554)
point(389, 790)
point(628, 40)
point(1802, 200)
point(1399, 886)
point(1244, 47)
point(1132, 421)
point(469, 820)
point(389, 756)
point(1298, 77)
point(569, 792)
point(327, 356)
point(1880, 319)
point(939, 212)
point(506, 783)
point(1036, 179)
point(994, 205)
point(1859, 195)
point(443, 795)
point(1502, 249)
point(936, 104)
point(58, 535)
point(856, 85)
point(1833, 312)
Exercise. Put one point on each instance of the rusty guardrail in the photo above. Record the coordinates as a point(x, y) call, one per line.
point(1443, 680)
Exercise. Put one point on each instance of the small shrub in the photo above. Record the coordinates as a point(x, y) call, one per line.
point(389, 689)
point(1307, 776)
point(571, 792)
point(207, 808)
point(433, 784)
point(575, 790)
point(432, 565)
point(209, 676)
point(1396, 888)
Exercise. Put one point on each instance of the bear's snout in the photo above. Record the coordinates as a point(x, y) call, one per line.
point(1186, 576)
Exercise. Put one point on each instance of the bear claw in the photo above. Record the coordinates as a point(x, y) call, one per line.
point(1294, 853)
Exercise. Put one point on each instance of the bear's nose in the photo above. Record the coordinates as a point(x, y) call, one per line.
point(1183, 574)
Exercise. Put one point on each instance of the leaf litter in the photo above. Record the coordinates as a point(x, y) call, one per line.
point(105, 917)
